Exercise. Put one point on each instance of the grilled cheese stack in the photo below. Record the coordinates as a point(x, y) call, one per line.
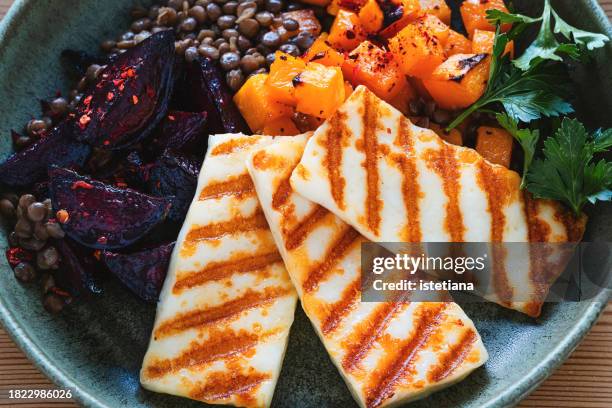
point(388, 353)
point(227, 304)
point(396, 182)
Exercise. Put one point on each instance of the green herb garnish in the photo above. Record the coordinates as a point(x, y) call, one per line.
point(546, 45)
point(535, 84)
point(569, 172)
point(527, 138)
point(524, 95)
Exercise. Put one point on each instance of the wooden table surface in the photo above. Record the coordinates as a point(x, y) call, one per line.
point(584, 381)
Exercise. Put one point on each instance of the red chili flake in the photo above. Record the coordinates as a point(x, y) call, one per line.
point(110, 96)
point(16, 255)
point(121, 184)
point(87, 100)
point(121, 87)
point(97, 254)
point(81, 184)
point(102, 240)
point(62, 216)
point(117, 82)
point(84, 121)
point(134, 99)
point(106, 143)
point(171, 117)
point(131, 73)
point(59, 292)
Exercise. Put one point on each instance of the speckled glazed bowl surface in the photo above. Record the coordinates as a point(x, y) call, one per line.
point(96, 348)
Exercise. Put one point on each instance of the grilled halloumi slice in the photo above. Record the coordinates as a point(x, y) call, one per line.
point(396, 182)
point(388, 353)
point(227, 304)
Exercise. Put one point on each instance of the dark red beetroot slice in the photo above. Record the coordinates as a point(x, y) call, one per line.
point(183, 131)
point(101, 216)
point(174, 175)
point(77, 269)
point(130, 97)
point(143, 272)
point(205, 89)
point(30, 165)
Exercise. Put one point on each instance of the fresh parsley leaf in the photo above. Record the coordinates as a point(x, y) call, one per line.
point(567, 172)
point(546, 45)
point(603, 140)
point(527, 138)
point(524, 95)
point(584, 38)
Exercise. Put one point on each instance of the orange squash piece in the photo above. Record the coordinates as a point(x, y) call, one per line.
point(319, 90)
point(375, 68)
point(435, 26)
point(280, 79)
point(346, 32)
point(348, 89)
point(257, 105)
point(474, 15)
point(437, 8)
point(282, 126)
point(482, 42)
point(453, 137)
point(457, 43)
point(322, 52)
point(411, 10)
point(459, 81)
point(401, 101)
point(495, 145)
point(371, 16)
point(417, 50)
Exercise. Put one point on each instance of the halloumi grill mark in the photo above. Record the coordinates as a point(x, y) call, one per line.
point(227, 303)
point(388, 353)
point(425, 190)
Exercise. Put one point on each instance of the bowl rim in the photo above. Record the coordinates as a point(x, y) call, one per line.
point(508, 398)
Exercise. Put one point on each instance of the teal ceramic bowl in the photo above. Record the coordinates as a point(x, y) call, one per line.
point(95, 348)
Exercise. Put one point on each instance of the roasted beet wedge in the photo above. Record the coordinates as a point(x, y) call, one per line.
point(130, 97)
point(183, 131)
point(204, 89)
point(174, 175)
point(30, 165)
point(78, 267)
point(143, 272)
point(101, 216)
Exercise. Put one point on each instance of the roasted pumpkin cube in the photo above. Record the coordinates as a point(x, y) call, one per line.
point(282, 126)
point(457, 43)
point(474, 15)
point(437, 8)
point(435, 26)
point(459, 81)
point(256, 104)
point(333, 8)
point(397, 15)
point(348, 89)
point(375, 68)
point(280, 80)
point(401, 100)
point(371, 16)
point(453, 137)
point(322, 52)
point(482, 42)
point(495, 145)
point(417, 51)
point(319, 90)
point(346, 32)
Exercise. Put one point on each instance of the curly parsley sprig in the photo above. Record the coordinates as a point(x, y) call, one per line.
point(535, 84)
point(569, 170)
